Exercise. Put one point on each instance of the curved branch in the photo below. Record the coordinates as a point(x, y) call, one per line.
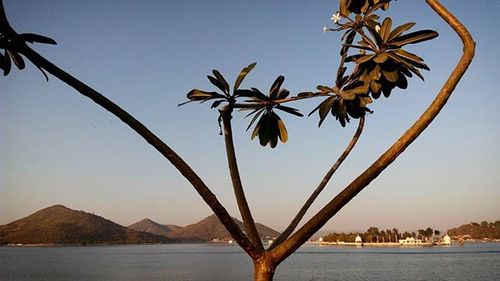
point(143, 131)
point(325, 214)
point(246, 215)
point(321, 185)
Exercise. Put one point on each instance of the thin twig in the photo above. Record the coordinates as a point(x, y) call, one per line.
point(239, 193)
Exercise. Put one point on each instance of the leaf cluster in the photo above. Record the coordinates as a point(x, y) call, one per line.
point(380, 65)
point(10, 43)
point(269, 127)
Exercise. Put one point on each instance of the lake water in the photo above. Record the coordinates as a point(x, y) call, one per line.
point(476, 261)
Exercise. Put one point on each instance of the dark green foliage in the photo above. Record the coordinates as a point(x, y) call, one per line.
point(350, 101)
point(270, 126)
point(10, 42)
point(380, 66)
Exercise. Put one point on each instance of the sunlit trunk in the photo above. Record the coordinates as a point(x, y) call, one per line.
point(264, 270)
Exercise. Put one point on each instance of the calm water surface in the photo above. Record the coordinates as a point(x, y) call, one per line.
point(478, 261)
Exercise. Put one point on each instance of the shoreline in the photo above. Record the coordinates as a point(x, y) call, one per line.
point(309, 243)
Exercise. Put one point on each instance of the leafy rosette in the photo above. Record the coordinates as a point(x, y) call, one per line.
point(10, 43)
point(349, 101)
point(220, 83)
point(382, 63)
point(270, 126)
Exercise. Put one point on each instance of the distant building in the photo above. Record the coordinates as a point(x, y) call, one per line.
point(410, 241)
point(446, 240)
point(358, 240)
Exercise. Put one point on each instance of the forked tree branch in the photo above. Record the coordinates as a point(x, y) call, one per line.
point(284, 235)
point(239, 193)
point(321, 218)
point(202, 189)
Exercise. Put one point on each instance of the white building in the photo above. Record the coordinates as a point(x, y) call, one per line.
point(410, 241)
point(358, 240)
point(446, 240)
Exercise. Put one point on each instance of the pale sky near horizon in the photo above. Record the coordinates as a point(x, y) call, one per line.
point(57, 147)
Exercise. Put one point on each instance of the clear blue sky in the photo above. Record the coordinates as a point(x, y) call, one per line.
point(57, 147)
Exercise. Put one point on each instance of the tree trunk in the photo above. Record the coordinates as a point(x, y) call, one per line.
point(264, 269)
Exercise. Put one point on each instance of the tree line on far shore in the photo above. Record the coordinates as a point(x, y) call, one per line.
point(375, 235)
point(473, 230)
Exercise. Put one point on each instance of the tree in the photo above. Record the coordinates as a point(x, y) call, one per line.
point(396, 234)
point(421, 233)
point(428, 233)
point(380, 66)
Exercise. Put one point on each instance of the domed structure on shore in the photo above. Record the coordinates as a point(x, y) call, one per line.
point(358, 240)
point(446, 240)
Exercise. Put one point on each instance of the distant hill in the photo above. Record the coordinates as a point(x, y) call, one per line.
point(476, 231)
point(151, 226)
point(61, 225)
point(211, 228)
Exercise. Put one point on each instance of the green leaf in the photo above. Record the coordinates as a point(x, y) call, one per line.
point(391, 76)
point(216, 83)
point(7, 64)
point(282, 130)
point(402, 82)
point(2, 62)
point(273, 131)
point(244, 93)
point(380, 58)
point(344, 11)
point(387, 89)
point(261, 123)
point(399, 30)
point(414, 37)
point(411, 58)
point(36, 38)
point(353, 58)
point(199, 95)
point(364, 101)
point(385, 29)
point(216, 103)
point(264, 129)
point(221, 80)
point(259, 112)
point(324, 108)
point(350, 37)
point(407, 65)
point(375, 34)
point(375, 87)
point(364, 59)
point(259, 95)
point(290, 110)
point(243, 74)
point(282, 94)
point(273, 92)
point(17, 59)
point(326, 89)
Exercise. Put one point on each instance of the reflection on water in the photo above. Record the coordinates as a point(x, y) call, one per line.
point(479, 261)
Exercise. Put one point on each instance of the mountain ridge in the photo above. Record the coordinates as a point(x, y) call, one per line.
point(58, 224)
point(205, 230)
